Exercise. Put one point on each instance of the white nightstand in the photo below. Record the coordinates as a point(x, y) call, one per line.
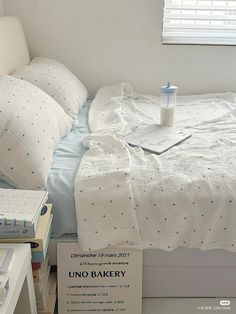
point(21, 296)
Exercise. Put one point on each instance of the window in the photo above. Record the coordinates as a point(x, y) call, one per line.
point(199, 22)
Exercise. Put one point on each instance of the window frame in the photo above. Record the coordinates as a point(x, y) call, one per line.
point(199, 41)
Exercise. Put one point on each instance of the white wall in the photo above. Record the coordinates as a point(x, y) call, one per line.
point(1, 8)
point(106, 41)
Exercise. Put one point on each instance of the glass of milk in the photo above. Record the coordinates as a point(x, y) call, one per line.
point(168, 101)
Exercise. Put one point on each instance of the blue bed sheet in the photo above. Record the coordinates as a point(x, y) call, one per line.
point(60, 184)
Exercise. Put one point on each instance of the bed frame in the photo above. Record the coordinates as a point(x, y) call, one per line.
point(181, 273)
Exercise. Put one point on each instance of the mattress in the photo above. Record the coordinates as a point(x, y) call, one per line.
point(60, 184)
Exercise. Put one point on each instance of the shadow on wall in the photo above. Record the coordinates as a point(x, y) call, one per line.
point(1, 8)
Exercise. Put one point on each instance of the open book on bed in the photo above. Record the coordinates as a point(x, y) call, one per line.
point(156, 138)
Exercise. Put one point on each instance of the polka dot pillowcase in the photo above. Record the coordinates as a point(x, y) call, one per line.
point(31, 126)
point(58, 82)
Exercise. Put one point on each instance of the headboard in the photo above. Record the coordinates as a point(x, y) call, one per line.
point(13, 48)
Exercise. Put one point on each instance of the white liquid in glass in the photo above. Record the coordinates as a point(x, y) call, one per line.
point(167, 116)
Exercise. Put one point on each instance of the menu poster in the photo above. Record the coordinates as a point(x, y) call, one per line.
point(107, 281)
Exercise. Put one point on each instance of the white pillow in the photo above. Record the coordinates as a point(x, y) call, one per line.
point(31, 126)
point(58, 82)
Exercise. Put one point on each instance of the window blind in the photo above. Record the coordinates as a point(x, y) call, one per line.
point(199, 22)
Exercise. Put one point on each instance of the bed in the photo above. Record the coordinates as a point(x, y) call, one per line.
point(183, 272)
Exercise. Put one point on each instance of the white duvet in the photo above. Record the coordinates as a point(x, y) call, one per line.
point(184, 197)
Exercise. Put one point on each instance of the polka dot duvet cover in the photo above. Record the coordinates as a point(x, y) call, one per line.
point(183, 197)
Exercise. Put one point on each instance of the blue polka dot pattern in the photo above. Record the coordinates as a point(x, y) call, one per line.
point(26, 150)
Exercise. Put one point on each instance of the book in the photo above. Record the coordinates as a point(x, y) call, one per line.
point(39, 256)
point(6, 256)
point(41, 289)
point(51, 295)
point(20, 211)
point(41, 285)
point(38, 274)
point(37, 243)
point(156, 138)
point(37, 265)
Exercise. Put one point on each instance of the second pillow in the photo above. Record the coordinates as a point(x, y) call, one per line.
point(58, 82)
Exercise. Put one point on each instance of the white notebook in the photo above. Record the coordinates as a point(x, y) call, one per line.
point(156, 138)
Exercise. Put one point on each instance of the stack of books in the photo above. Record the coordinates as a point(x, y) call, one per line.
point(26, 218)
point(45, 284)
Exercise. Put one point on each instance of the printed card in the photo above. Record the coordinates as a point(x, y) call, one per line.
point(102, 281)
